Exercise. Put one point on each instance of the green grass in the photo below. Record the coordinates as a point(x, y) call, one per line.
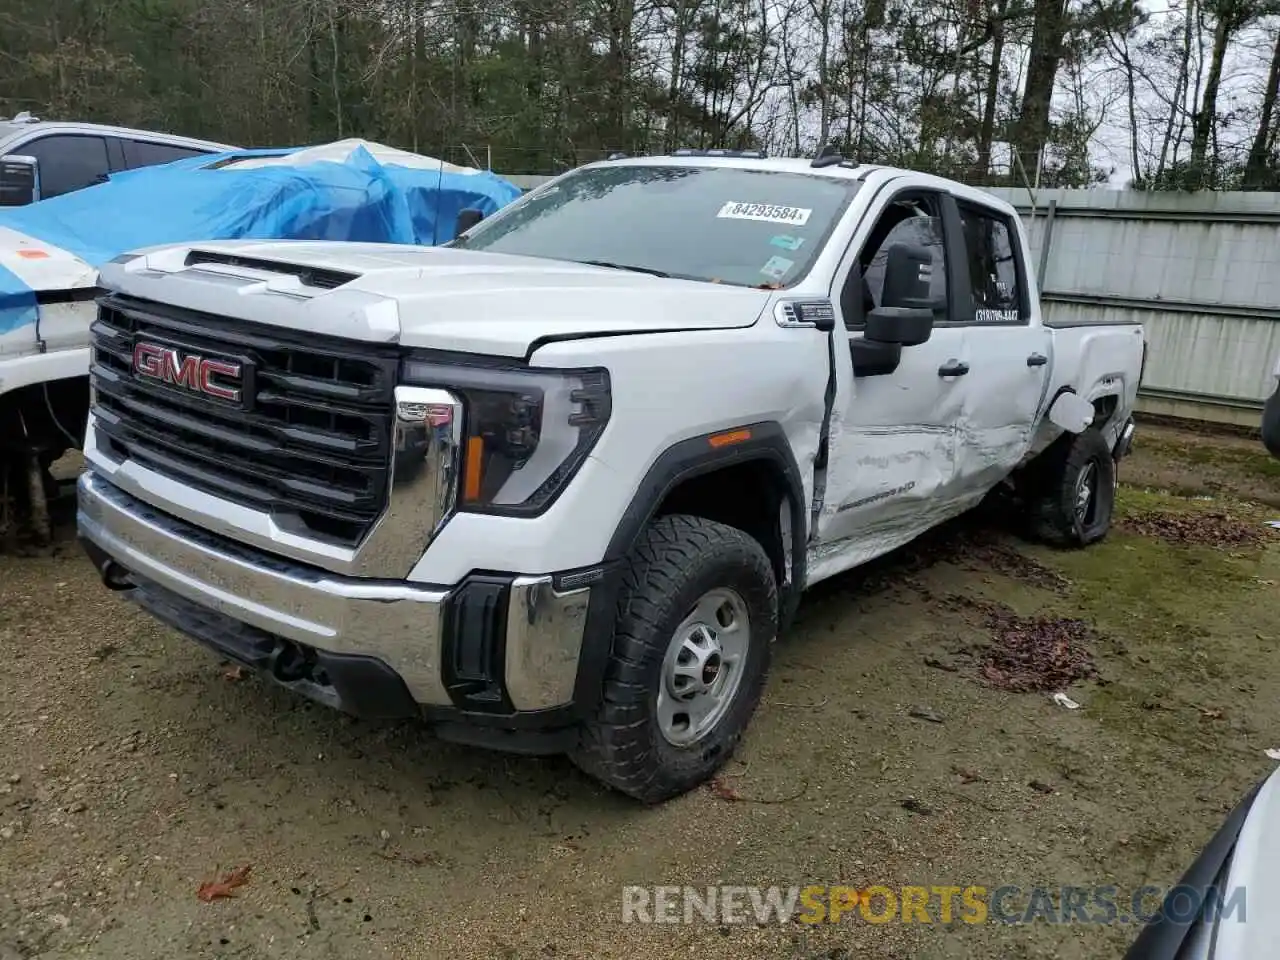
point(1250, 460)
point(1189, 627)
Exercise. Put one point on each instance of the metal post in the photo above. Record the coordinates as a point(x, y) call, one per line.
point(1045, 242)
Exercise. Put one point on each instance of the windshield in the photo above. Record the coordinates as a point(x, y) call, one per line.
point(753, 228)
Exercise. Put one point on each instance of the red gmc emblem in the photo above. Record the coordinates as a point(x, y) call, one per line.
point(190, 371)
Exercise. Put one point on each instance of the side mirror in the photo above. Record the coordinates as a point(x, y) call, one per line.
point(467, 218)
point(904, 326)
point(19, 180)
point(905, 314)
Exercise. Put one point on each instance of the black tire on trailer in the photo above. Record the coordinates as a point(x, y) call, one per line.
point(1076, 491)
point(697, 614)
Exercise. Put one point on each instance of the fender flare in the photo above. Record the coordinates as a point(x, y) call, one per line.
point(765, 441)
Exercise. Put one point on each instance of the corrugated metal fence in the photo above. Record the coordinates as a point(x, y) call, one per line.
point(1201, 272)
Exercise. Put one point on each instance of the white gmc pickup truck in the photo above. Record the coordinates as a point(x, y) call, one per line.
point(558, 486)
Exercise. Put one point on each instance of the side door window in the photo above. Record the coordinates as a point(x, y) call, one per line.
point(914, 220)
point(68, 162)
point(996, 275)
point(1009, 355)
point(144, 153)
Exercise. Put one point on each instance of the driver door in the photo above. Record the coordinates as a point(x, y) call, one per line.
point(890, 469)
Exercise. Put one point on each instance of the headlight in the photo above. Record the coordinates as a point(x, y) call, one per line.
point(526, 431)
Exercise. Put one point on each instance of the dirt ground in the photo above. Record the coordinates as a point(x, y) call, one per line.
point(134, 767)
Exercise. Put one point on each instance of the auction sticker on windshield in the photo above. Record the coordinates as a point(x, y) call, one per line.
point(764, 212)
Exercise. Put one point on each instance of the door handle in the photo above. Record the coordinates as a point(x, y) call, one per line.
point(1037, 360)
point(953, 368)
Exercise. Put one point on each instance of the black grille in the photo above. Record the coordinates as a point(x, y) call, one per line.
point(310, 441)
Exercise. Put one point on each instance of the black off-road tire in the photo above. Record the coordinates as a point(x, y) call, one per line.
point(677, 561)
point(1054, 517)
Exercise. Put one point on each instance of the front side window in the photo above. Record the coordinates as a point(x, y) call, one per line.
point(68, 162)
point(993, 267)
point(744, 227)
point(912, 220)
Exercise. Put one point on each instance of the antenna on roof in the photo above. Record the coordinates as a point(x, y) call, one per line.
point(24, 117)
point(435, 220)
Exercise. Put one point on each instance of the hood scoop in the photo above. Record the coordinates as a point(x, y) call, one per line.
point(323, 278)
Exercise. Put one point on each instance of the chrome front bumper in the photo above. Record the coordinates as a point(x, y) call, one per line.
point(402, 625)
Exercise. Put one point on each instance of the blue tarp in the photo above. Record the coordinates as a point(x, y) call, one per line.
point(358, 199)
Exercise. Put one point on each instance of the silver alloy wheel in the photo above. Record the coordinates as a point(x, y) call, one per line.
point(1085, 492)
point(703, 667)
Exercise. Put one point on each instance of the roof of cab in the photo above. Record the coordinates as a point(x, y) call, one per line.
point(850, 171)
point(19, 125)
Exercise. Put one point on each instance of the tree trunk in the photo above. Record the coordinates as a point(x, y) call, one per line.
point(1179, 91)
point(1255, 168)
point(793, 97)
point(621, 15)
point(987, 132)
point(824, 53)
point(1042, 71)
point(677, 76)
point(1207, 116)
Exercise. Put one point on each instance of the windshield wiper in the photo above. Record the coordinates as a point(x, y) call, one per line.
point(626, 266)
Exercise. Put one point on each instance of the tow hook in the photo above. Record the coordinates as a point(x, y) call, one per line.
point(115, 577)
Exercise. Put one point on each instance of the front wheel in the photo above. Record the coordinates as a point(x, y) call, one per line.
point(1077, 492)
point(697, 616)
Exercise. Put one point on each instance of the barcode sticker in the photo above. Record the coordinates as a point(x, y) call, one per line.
point(764, 212)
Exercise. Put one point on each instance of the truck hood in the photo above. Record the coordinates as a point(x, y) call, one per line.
point(432, 297)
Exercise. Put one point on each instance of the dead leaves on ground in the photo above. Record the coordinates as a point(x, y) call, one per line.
point(1028, 653)
point(721, 789)
point(212, 890)
point(1211, 528)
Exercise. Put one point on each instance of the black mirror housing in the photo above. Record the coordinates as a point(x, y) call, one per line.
point(905, 326)
point(908, 276)
point(19, 181)
point(905, 314)
point(467, 218)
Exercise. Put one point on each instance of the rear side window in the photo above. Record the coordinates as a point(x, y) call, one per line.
point(140, 153)
point(67, 162)
point(995, 275)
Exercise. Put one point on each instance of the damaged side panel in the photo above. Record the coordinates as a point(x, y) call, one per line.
point(902, 486)
point(891, 462)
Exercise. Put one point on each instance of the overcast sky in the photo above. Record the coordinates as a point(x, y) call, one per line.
point(1245, 68)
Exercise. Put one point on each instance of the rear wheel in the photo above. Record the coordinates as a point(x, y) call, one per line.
point(1076, 491)
point(697, 615)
